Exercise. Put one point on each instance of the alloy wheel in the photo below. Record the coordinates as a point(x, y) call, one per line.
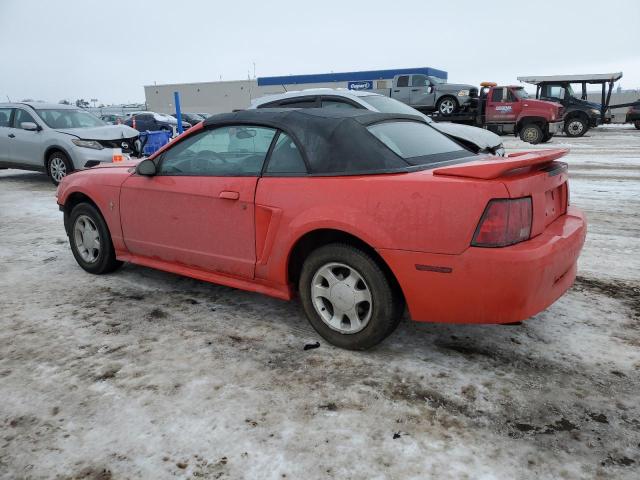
point(341, 297)
point(57, 169)
point(447, 107)
point(86, 238)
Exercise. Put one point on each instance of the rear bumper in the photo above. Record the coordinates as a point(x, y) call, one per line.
point(491, 285)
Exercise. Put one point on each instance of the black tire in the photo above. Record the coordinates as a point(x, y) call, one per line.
point(531, 133)
point(546, 137)
point(105, 260)
point(384, 311)
point(576, 127)
point(58, 166)
point(447, 106)
point(637, 124)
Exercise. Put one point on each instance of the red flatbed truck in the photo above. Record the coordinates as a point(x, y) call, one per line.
point(509, 110)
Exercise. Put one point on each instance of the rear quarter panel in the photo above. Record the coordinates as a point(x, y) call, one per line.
point(408, 211)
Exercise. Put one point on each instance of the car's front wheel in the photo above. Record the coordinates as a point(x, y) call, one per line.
point(447, 106)
point(531, 133)
point(576, 127)
point(348, 298)
point(637, 124)
point(58, 167)
point(90, 240)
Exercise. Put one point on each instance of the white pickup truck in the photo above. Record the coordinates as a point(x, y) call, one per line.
point(427, 93)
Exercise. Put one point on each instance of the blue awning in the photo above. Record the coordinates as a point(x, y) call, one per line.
point(348, 76)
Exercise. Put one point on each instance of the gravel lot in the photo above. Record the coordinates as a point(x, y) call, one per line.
point(144, 374)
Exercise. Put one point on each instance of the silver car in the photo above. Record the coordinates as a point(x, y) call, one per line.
point(475, 139)
point(59, 139)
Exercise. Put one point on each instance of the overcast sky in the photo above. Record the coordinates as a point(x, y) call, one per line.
point(109, 49)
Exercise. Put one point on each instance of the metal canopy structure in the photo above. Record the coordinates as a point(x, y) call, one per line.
point(584, 79)
point(592, 78)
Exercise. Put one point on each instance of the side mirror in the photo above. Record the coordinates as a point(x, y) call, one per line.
point(146, 168)
point(32, 127)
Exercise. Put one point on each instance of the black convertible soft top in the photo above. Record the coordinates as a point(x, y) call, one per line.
point(333, 141)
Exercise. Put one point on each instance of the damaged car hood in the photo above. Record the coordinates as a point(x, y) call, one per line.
point(108, 132)
point(484, 139)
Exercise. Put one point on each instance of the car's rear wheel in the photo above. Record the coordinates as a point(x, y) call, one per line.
point(90, 240)
point(447, 106)
point(576, 127)
point(637, 124)
point(348, 298)
point(531, 133)
point(58, 167)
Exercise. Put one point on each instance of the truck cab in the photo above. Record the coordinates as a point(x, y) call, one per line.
point(509, 109)
point(581, 115)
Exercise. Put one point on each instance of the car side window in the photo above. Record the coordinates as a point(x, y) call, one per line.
point(337, 104)
point(403, 81)
point(554, 91)
point(302, 103)
point(419, 81)
point(285, 157)
point(22, 116)
point(5, 117)
point(237, 150)
point(497, 95)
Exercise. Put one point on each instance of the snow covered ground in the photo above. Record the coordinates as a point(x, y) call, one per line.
point(143, 374)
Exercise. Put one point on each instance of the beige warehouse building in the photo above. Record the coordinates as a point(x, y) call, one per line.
point(226, 96)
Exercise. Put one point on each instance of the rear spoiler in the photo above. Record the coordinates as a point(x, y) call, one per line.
point(497, 166)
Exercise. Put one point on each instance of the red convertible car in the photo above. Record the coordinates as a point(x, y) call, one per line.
point(359, 213)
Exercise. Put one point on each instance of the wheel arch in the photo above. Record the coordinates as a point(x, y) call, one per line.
point(576, 114)
point(73, 199)
point(523, 121)
point(445, 96)
point(317, 238)
point(52, 149)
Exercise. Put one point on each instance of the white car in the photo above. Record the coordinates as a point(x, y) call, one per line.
point(475, 139)
point(59, 139)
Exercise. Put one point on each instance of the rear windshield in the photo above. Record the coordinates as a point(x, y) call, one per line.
point(417, 143)
point(68, 118)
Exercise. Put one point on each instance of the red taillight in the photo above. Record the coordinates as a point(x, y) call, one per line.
point(504, 222)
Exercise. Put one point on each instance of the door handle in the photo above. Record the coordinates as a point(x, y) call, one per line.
point(415, 89)
point(227, 195)
point(11, 135)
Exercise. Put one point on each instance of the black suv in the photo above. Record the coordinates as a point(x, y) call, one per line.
point(191, 118)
